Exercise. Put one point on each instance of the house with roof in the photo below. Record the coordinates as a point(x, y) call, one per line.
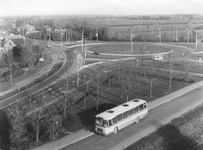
point(6, 45)
point(27, 29)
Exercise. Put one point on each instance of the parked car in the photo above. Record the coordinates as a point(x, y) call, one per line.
point(157, 57)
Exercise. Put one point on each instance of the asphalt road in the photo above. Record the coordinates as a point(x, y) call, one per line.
point(36, 88)
point(156, 118)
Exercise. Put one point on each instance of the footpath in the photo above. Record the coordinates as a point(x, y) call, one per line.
point(54, 57)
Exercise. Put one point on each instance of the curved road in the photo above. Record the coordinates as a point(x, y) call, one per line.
point(8, 101)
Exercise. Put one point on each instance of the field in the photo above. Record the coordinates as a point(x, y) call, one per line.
point(125, 48)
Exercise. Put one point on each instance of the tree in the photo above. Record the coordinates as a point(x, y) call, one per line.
point(28, 54)
point(8, 61)
point(96, 85)
point(171, 73)
point(187, 65)
point(86, 88)
point(150, 75)
point(16, 115)
point(126, 78)
point(5, 131)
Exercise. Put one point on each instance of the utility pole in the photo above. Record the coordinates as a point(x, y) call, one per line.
point(78, 70)
point(61, 42)
point(66, 35)
point(188, 35)
point(159, 35)
point(97, 35)
point(131, 43)
point(85, 48)
point(196, 40)
point(82, 42)
point(176, 34)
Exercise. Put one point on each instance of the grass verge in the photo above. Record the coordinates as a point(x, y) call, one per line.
point(183, 133)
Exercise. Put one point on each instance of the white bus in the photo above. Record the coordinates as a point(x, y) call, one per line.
point(120, 116)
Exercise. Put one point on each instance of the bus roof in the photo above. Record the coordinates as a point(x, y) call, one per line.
point(111, 113)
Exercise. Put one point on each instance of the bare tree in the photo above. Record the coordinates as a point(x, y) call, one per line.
point(16, 114)
point(28, 55)
point(36, 117)
point(96, 86)
point(8, 61)
point(87, 83)
point(126, 80)
point(187, 65)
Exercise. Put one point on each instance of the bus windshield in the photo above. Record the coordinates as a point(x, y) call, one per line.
point(101, 122)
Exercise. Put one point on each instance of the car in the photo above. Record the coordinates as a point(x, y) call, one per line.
point(157, 57)
point(96, 53)
point(48, 46)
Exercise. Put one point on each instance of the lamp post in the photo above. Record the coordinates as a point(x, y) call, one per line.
point(66, 35)
point(131, 45)
point(69, 38)
point(82, 41)
point(97, 35)
point(176, 34)
point(49, 35)
point(85, 48)
point(196, 40)
point(182, 62)
point(188, 35)
point(159, 35)
point(78, 71)
point(61, 42)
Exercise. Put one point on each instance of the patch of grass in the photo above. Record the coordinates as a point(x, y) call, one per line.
point(183, 133)
point(125, 48)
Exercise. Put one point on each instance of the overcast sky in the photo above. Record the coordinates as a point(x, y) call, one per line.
point(114, 7)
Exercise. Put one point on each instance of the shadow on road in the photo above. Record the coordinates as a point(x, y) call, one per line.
point(87, 117)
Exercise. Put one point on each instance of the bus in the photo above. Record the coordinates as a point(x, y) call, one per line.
point(112, 120)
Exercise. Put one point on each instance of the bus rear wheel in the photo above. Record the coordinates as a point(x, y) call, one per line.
point(137, 120)
point(115, 130)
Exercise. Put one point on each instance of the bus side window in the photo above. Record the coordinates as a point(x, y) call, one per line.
point(136, 109)
point(114, 120)
point(141, 106)
point(110, 122)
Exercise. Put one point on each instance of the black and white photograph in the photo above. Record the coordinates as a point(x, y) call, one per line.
point(101, 75)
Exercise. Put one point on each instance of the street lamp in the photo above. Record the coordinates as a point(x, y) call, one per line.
point(97, 35)
point(196, 40)
point(82, 39)
point(66, 35)
point(61, 42)
point(78, 75)
point(176, 34)
point(131, 45)
point(182, 62)
point(188, 35)
point(159, 35)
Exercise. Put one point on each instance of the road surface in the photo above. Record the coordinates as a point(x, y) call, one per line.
point(157, 117)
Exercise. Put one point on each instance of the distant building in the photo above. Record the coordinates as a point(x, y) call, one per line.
point(6, 45)
point(47, 28)
point(29, 29)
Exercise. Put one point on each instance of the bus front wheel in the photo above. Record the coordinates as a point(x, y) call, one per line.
point(115, 130)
